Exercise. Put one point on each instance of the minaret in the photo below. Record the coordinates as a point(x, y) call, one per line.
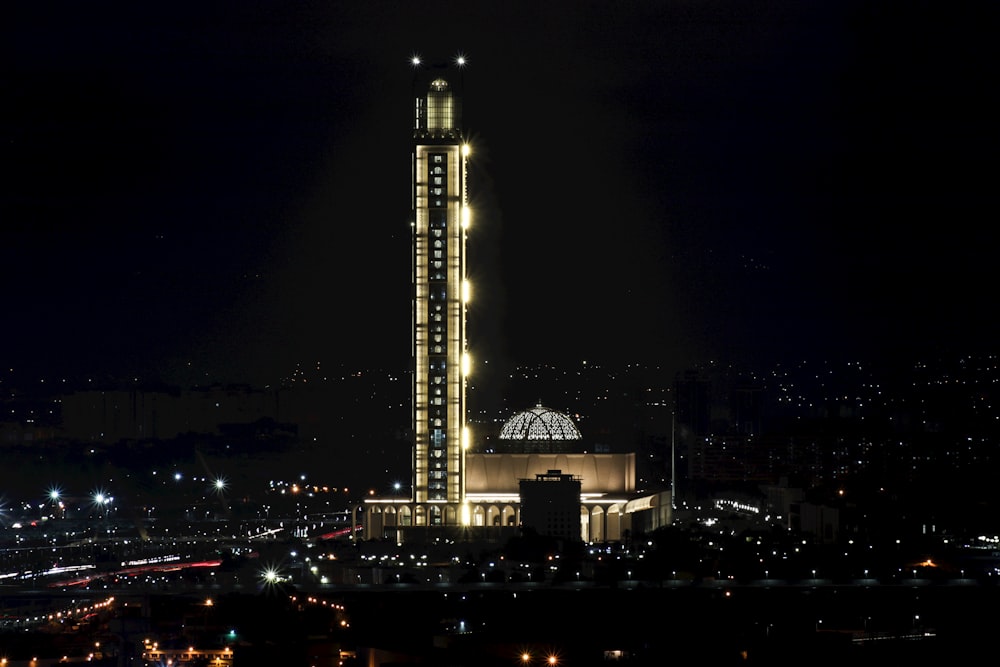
point(440, 292)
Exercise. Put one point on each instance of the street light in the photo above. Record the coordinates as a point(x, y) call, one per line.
point(101, 501)
point(55, 497)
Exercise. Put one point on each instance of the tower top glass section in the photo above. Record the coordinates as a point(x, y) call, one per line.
point(438, 108)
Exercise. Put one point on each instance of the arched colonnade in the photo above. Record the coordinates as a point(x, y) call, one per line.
point(598, 522)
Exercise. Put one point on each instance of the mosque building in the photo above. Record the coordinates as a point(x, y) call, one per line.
point(458, 491)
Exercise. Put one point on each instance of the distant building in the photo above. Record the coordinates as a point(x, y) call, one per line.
point(550, 504)
point(111, 416)
point(823, 521)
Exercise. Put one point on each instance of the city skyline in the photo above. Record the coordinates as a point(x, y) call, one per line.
point(725, 239)
point(199, 194)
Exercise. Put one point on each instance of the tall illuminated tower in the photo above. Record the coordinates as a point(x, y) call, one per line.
point(440, 293)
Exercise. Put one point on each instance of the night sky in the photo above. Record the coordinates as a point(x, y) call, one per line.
point(221, 192)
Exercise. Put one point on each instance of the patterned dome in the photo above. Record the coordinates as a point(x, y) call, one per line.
point(538, 424)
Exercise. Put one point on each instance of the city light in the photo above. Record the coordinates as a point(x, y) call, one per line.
point(106, 552)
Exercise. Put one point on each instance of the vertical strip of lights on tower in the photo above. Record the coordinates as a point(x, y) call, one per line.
point(440, 292)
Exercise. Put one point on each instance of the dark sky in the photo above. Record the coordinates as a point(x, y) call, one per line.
point(222, 192)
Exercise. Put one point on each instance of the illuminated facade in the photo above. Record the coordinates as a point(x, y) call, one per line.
point(539, 443)
point(607, 501)
point(440, 220)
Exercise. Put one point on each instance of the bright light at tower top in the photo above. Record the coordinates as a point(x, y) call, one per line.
point(460, 60)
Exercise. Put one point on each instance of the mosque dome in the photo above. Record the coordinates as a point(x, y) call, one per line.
point(540, 424)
